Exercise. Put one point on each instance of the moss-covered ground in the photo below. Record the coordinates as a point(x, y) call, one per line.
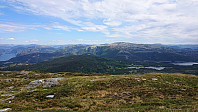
point(100, 92)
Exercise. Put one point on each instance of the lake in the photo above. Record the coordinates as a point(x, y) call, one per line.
point(155, 68)
point(185, 63)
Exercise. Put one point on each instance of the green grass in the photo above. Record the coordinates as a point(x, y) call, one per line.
point(109, 93)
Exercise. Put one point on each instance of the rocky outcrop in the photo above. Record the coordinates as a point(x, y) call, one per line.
point(34, 84)
point(24, 72)
point(45, 83)
point(50, 96)
point(7, 99)
point(5, 110)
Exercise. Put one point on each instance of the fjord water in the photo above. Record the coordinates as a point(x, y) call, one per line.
point(185, 63)
point(6, 56)
point(155, 68)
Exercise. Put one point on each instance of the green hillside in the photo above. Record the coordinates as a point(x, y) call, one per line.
point(99, 92)
point(85, 63)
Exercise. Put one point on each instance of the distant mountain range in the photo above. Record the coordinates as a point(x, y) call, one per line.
point(184, 46)
point(142, 52)
point(118, 51)
point(20, 50)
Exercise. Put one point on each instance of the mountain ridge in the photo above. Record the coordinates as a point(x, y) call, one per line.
point(118, 51)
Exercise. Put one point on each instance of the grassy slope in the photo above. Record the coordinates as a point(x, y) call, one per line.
point(99, 92)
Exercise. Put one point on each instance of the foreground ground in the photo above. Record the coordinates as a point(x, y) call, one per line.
point(99, 92)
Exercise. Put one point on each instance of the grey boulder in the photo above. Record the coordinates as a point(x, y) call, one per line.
point(34, 84)
point(45, 83)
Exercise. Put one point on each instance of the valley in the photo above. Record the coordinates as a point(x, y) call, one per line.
point(105, 58)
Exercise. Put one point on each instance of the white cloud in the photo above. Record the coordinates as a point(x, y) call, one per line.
point(161, 20)
point(109, 22)
point(11, 39)
point(94, 28)
point(58, 26)
point(13, 27)
point(2, 6)
point(89, 41)
point(31, 41)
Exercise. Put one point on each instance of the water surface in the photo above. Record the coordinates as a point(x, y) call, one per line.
point(5, 57)
point(185, 63)
point(155, 68)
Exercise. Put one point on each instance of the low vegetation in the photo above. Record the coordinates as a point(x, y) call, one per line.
point(100, 92)
point(86, 63)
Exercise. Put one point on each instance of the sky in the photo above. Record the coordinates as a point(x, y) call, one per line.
point(59, 22)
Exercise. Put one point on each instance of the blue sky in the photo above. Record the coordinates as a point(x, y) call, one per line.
point(50, 22)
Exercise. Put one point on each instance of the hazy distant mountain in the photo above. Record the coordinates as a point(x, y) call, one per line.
point(10, 51)
point(35, 49)
point(36, 53)
point(72, 49)
point(26, 49)
point(35, 58)
point(184, 46)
